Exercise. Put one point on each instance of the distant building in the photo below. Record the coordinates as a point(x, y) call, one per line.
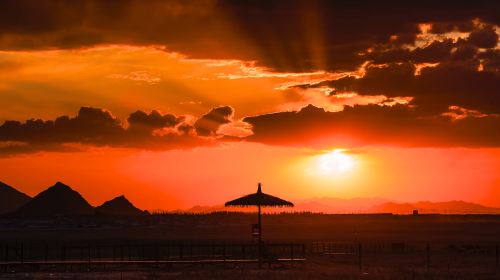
point(415, 212)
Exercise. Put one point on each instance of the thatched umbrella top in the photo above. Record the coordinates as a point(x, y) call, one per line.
point(259, 199)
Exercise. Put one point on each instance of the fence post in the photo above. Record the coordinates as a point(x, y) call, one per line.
point(46, 251)
point(496, 256)
point(360, 251)
point(428, 256)
point(224, 252)
point(88, 251)
point(22, 252)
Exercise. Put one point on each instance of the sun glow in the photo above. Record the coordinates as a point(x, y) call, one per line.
point(335, 162)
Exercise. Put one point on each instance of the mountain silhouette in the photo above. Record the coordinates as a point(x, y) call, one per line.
point(331, 205)
point(338, 205)
point(327, 205)
point(11, 199)
point(119, 206)
point(59, 199)
point(447, 207)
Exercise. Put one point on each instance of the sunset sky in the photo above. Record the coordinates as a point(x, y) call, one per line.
point(183, 103)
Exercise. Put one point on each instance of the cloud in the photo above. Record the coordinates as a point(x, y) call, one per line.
point(484, 38)
point(98, 127)
point(397, 125)
point(209, 123)
point(90, 125)
point(433, 90)
point(287, 36)
point(442, 56)
point(138, 76)
point(142, 122)
point(357, 125)
point(450, 26)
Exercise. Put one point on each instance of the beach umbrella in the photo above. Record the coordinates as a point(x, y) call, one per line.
point(259, 199)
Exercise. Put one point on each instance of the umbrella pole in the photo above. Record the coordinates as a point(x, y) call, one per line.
point(260, 240)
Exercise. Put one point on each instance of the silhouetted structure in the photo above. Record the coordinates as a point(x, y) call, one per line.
point(119, 206)
point(59, 199)
point(259, 199)
point(11, 199)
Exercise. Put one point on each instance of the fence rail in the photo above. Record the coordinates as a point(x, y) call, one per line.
point(409, 254)
point(35, 256)
point(20, 256)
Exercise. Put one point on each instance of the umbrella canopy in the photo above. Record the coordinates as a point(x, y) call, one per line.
point(259, 199)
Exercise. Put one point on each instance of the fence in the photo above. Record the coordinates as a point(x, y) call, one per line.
point(37, 256)
point(416, 255)
point(19, 256)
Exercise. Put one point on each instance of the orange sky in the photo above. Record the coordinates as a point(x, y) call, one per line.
point(405, 110)
point(210, 176)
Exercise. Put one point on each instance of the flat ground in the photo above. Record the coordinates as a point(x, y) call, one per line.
point(314, 269)
point(393, 247)
point(282, 227)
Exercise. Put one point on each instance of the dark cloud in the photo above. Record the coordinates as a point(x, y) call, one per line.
point(285, 35)
point(91, 125)
point(209, 123)
point(437, 51)
point(142, 123)
point(464, 52)
point(484, 38)
point(94, 126)
point(372, 125)
point(446, 50)
point(304, 35)
point(445, 27)
point(434, 89)
point(490, 60)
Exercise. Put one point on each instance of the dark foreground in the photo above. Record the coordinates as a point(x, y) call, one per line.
point(315, 268)
point(219, 246)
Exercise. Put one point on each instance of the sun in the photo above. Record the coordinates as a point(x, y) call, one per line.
point(336, 162)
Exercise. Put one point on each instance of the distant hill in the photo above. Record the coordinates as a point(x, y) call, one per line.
point(338, 205)
point(362, 205)
point(119, 206)
point(11, 199)
point(317, 205)
point(59, 199)
point(448, 207)
point(216, 208)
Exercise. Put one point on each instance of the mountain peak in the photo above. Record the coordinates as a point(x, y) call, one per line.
point(119, 206)
point(60, 185)
point(59, 199)
point(11, 199)
point(449, 207)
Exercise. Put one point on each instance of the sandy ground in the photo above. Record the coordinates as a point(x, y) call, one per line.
point(317, 268)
